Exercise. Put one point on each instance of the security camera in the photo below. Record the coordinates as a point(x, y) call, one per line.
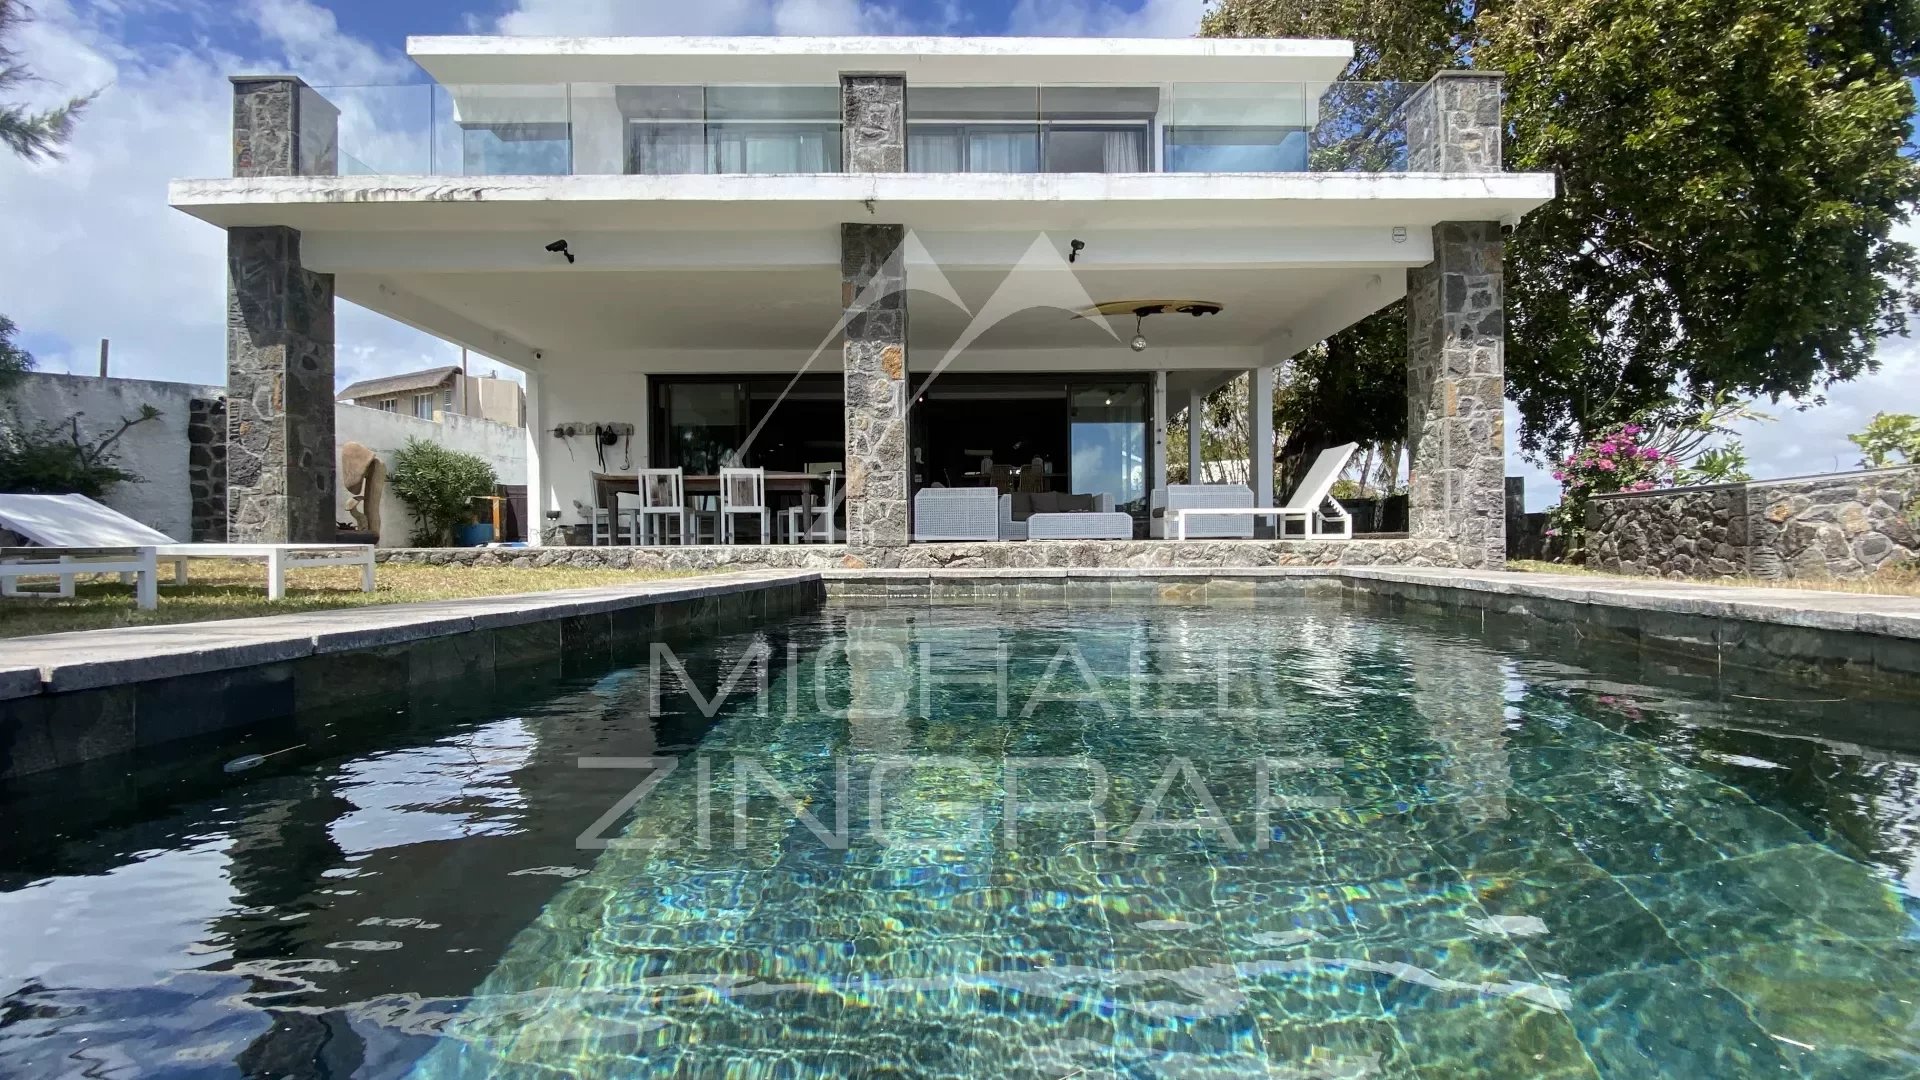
point(559, 247)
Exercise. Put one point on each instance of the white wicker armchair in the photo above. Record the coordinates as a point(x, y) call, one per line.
point(965, 514)
point(1195, 496)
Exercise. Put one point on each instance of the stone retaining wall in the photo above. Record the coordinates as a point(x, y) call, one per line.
point(985, 555)
point(1842, 525)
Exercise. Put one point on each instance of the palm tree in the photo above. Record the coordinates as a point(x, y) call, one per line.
point(32, 135)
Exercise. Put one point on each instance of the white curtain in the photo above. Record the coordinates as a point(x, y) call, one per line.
point(937, 153)
point(668, 149)
point(1003, 152)
point(766, 151)
point(1123, 152)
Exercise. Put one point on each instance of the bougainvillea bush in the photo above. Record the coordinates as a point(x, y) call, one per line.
point(1619, 459)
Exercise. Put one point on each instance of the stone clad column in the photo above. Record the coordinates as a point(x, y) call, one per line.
point(875, 356)
point(1456, 335)
point(873, 293)
point(280, 343)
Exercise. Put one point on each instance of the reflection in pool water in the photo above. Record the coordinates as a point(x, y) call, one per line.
point(1186, 841)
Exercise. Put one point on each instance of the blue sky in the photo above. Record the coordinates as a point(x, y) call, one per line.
point(91, 250)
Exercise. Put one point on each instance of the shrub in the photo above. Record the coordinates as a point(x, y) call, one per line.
point(57, 459)
point(1620, 459)
point(439, 486)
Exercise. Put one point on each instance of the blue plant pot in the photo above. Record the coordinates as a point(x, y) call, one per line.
point(473, 535)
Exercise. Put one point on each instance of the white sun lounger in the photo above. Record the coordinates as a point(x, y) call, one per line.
point(1312, 502)
point(68, 563)
point(75, 521)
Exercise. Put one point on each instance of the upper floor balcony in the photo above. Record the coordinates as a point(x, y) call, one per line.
point(605, 128)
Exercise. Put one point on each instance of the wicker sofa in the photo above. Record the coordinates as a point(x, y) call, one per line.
point(985, 514)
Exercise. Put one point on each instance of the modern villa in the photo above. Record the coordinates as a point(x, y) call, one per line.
point(910, 263)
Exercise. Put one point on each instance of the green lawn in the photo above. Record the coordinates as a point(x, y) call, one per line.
point(238, 590)
point(1894, 581)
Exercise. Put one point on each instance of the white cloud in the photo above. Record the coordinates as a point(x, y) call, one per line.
point(92, 250)
point(1105, 18)
point(666, 17)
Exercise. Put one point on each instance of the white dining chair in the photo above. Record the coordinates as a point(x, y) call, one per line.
point(744, 492)
point(807, 524)
point(662, 499)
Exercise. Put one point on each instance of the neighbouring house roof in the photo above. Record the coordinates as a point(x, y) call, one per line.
point(426, 379)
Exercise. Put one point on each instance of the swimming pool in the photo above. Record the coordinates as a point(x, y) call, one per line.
point(996, 841)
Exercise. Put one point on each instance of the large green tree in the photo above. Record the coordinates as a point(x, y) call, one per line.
point(1730, 174)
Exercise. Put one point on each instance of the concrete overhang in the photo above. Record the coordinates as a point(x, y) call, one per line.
point(977, 61)
point(921, 201)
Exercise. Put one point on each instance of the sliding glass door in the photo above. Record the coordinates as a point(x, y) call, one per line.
point(1108, 442)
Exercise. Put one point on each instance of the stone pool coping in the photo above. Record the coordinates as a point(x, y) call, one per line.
point(92, 659)
point(1892, 616)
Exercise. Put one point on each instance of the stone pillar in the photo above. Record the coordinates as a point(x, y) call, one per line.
point(1456, 388)
point(873, 123)
point(283, 127)
point(1453, 123)
point(873, 293)
point(1456, 333)
point(876, 384)
point(280, 453)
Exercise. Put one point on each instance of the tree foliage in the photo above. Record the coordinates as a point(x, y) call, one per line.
point(59, 458)
point(15, 361)
point(1887, 435)
point(32, 134)
point(439, 486)
point(1729, 174)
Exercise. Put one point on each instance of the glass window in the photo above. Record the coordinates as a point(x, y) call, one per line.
point(532, 149)
point(705, 424)
point(1109, 443)
point(1096, 150)
point(423, 406)
point(389, 404)
point(731, 129)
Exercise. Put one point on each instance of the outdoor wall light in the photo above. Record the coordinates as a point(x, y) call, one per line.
point(1074, 248)
point(559, 247)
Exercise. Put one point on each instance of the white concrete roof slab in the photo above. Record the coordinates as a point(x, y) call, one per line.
point(917, 200)
point(1007, 61)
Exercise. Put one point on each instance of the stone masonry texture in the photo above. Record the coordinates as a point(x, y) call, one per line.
point(874, 123)
point(1456, 333)
point(873, 281)
point(207, 468)
point(1453, 123)
point(280, 457)
point(1845, 525)
point(280, 342)
point(1456, 387)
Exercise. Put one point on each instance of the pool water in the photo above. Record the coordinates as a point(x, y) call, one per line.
point(1012, 842)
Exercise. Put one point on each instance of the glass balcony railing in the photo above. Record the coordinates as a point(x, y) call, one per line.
point(609, 129)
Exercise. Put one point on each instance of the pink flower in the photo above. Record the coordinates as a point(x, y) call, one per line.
point(1559, 475)
point(1652, 453)
point(1630, 429)
point(1605, 466)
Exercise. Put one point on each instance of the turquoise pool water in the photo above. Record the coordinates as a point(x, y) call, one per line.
point(957, 841)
